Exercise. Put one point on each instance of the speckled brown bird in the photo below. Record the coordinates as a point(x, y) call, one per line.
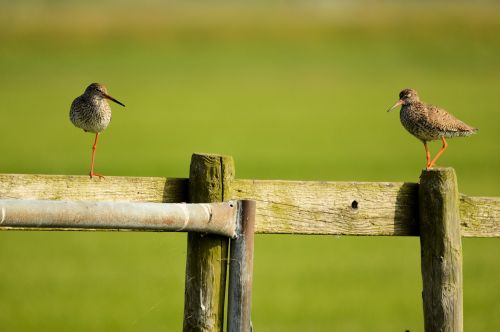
point(427, 122)
point(91, 112)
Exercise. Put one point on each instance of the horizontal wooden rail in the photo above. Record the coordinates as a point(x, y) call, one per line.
point(479, 216)
point(297, 207)
point(340, 208)
point(81, 188)
point(354, 208)
point(216, 218)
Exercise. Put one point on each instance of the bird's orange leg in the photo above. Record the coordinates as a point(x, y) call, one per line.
point(445, 145)
point(427, 155)
point(92, 174)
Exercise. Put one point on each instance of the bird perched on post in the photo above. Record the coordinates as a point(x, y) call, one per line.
point(91, 112)
point(427, 122)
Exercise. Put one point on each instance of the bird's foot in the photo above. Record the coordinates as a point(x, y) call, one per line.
point(92, 174)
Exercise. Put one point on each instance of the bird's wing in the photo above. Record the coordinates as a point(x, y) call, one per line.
point(445, 121)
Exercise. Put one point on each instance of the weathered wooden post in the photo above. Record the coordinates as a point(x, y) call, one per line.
point(210, 177)
point(441, 250)
point(241, 271)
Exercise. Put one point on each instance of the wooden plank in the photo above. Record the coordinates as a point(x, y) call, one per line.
point(298, 207)
point(241, 271)
point(441, 250)
point(206, 264)
point(480, 216)
point(23, 214)
point(77, 188)
point(383, 208)
point(338, 208)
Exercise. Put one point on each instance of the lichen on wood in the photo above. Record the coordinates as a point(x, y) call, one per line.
point(206, 264)
point(441, 250)
point(77, 188)
point(320, 207)
point(295, 207)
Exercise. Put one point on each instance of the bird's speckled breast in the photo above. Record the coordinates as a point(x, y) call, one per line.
point(415, 121)
point(91, 115)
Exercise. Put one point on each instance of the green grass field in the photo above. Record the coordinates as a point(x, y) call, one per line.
point(302, 87)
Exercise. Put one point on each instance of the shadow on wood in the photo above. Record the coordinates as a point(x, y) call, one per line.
point(406, 215)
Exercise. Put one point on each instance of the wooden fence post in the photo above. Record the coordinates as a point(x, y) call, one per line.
point(241, 271)
point(210, 177)
point(441, 250)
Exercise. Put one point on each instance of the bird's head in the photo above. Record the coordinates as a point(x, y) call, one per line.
point(407, 96)
point(100, 91)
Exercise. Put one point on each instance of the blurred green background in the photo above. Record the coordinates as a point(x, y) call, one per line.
point(292, 90)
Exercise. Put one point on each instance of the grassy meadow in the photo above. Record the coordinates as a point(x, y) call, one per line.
point(291, 92)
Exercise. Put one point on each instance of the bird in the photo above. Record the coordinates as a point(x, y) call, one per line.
point(428, 122)
point(92, 113)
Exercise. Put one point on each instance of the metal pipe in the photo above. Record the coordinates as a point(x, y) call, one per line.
point(217, 218)
point(241, 271)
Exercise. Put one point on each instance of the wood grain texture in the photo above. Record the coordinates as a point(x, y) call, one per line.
point(480, 216)
point(441, 250)
point(76, 188)
point(210, 179)
point(298, 207)
point(338, 208)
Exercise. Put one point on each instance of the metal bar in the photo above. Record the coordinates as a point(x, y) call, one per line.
point(217, 218)
point(241, 271)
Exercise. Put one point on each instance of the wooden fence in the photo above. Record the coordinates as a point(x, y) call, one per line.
point(433, 210)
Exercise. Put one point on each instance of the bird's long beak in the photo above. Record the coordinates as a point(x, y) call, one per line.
point(113, 99)
point(399, 103)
